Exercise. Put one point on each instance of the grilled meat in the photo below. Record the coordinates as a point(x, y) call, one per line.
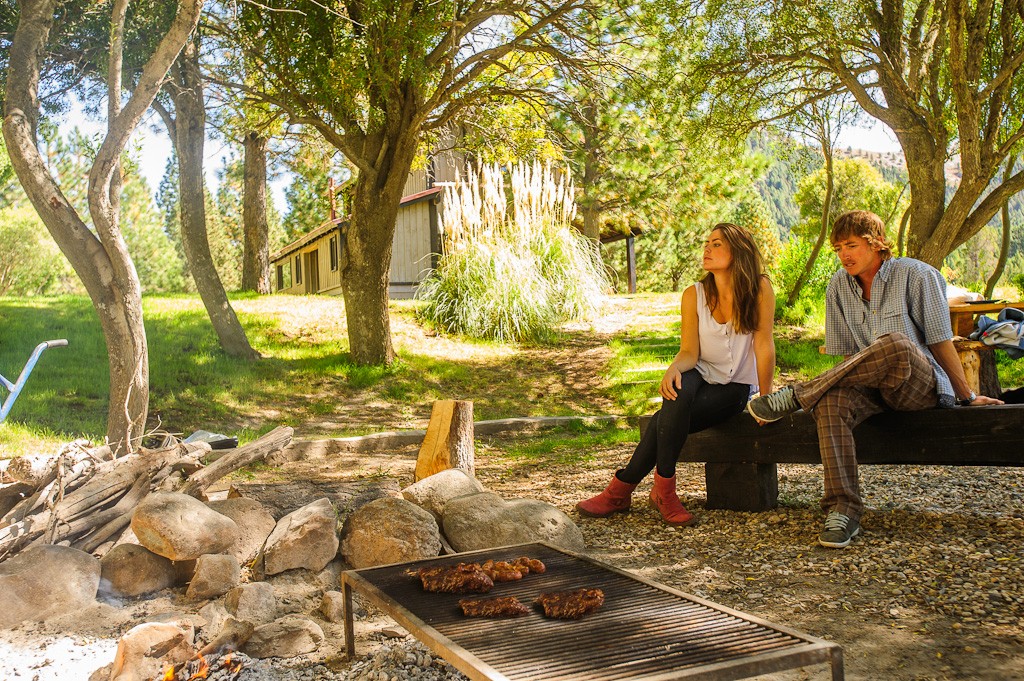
point(501, 571)
point(455, 579)
point(570, 605)
point(498, 606)
point(528, 565)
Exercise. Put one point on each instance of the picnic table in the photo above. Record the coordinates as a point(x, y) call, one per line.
point(977, 358)
point(962, 316)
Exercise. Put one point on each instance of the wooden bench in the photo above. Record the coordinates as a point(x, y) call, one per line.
point(741, 457)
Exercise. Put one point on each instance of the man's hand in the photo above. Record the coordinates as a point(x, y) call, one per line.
point(983, 400)
point(670, 383)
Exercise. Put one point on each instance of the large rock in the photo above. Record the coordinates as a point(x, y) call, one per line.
point(389, 531)
point(130, 570)
point(287, 637)
point(255, 523)
point(305, 538)
point(485, 520)
point(47, 580)
point(181, 527)
point(147, 649)
point(433, 492)
point(215, 575)
point(255, 603)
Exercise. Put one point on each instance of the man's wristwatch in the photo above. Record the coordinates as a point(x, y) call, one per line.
point(967, 401)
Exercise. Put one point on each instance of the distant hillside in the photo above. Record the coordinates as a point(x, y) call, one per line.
point(779, 184)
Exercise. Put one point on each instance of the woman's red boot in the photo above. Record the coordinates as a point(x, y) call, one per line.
point(663, 497)
point(614, 499)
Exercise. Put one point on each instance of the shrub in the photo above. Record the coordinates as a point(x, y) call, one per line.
point(788, 267)
point(30, 262)
point(1018, 281)
point(512, 267)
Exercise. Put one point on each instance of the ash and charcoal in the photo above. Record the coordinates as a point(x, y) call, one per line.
point(239, 667)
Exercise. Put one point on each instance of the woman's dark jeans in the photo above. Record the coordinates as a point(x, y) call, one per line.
point(698, 405)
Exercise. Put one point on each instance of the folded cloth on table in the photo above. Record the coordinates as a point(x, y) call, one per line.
point(1005, 331)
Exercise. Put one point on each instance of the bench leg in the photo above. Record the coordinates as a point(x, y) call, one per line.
point(742, 486)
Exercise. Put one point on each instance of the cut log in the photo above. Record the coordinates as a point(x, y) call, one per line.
point(13, 494)
point(33, 469)
point(233, 635)
point(90, 502)
point(92, 497)
point(979, 363)
point(448, 442)
point(256, 450)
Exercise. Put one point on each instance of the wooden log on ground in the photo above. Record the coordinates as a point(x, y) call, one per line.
point(107, 499)
point(233, 635)
point(448, 442)
point(33, 468)
point(124, 506)
point(13, 494)
point(256, 450)
point(101, 490)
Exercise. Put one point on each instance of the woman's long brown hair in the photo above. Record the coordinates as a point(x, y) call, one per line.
point(747, 273)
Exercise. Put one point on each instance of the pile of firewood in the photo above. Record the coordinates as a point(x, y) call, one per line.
point(84, 498)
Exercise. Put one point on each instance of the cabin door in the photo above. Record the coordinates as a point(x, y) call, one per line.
point(312, 263)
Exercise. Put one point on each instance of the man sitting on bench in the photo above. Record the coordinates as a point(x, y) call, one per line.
point(890, 319)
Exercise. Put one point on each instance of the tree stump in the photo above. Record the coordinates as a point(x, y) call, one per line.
point(449, 439)
point(979, 363)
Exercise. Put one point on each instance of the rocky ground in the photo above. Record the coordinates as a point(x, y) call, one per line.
point(933, 589)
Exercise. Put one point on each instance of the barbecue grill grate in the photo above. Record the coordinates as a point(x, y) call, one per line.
point(643, 630)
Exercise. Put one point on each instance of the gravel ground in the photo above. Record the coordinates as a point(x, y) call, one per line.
point(933, 588)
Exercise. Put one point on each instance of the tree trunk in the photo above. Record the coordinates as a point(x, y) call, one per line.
point(100, 260)
point(1004, 244)
point(826, 209)
point(256, 249)
point(189, 135)
point(926, 164)
point(590, 205)
point(366, 267)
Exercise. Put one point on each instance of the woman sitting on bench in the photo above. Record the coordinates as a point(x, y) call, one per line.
point(726, 350)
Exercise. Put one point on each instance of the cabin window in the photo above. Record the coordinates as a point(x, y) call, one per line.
point(298, 269)
point(332, 246)
point(284, 276)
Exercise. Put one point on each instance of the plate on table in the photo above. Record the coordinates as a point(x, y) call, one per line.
point(982, 302)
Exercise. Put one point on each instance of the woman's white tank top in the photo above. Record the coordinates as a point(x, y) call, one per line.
point(725, 356)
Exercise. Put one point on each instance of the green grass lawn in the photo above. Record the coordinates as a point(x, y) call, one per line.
point(306, 378)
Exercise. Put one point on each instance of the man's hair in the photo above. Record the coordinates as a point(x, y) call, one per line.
point(865, 224)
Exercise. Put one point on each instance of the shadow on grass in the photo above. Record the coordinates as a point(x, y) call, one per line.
point(194, 384)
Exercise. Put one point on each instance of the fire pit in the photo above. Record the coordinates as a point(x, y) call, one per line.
point(643, 630)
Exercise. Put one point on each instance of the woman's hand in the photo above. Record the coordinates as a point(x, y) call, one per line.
point(670, 382)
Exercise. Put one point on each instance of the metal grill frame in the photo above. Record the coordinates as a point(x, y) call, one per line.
point(793, 649)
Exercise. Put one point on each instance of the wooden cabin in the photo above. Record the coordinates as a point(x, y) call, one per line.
point(312, 263)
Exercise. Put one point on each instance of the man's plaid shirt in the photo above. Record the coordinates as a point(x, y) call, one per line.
point(907, 296)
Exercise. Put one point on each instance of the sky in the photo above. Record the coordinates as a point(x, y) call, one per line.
point(878, 137)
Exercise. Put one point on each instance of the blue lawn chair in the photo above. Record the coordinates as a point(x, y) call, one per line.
point(15, 388)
